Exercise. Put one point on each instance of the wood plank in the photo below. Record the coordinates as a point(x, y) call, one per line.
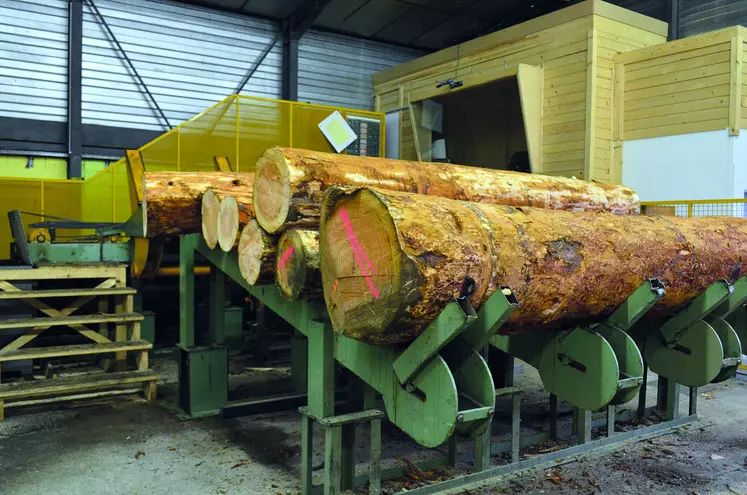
point(532, 51)
point(630, 18)
point(691, 63)
point(663, 110)
point(566, 165)
point(69, 320)
point(572, 172)
point(543, 25)
point(529, 80)
point(576, 106)
point(558, 64)
point(571, 156)
point(568, 78)
point(675, 129)
point(591, 95)
point(554, 101)
point(677, 57)
point(562, 128)
point(18, 390)
point(719, 91)
point(74, 350)
point(680, 118)
point(34, 294)
point(603, 73)
point(58, 272)
point(563, 137)
point(605, 63)
point(735, 85)
point(677, 46)
point(576, 145)
point(565, 89)
point(706, 82)
point(743, 122)
point(559, 118)
point(617, 29)
point(603, 113)
point(618, 46)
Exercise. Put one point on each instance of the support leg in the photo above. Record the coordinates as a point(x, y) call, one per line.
point(668, 399)
point(582, 424)
point(125, 304)
point(299, 362)
point(642, 394)
point(103, 306)
point(321, 369)
point(451, 454)
point(516, 427)
point(332, 452)
point(347, 461)
point(217, 306)
point(610, 420)
point(693, 406)
point(553, 417)
point(374, 464)
point(2, 410)
point(307, 453)
point(482, 450)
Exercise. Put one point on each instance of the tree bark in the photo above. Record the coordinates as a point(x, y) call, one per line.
point(257, 254)
point(209, 213)
point(391, 261)
point(172, 199)
point(290, 185)
point(298, 264)
point(228, 223)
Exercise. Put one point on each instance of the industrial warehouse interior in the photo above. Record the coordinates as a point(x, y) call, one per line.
point(322, 247)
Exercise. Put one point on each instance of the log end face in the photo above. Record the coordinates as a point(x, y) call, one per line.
point(209, 209)
point(272, 195)
point(228, 223)
point(254, 245)
point(361, 266)
point(291, 265)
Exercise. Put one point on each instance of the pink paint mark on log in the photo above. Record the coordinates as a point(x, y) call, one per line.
point(359, 253)
point(285, 257)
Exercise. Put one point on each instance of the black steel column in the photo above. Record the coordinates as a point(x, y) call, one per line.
point(74, 89)
point(673, 18)
point(290, 61)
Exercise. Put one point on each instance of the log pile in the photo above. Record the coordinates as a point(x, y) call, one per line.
point(391, 261)
point(389, 243)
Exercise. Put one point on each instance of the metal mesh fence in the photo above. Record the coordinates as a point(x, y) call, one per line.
point(697, 208)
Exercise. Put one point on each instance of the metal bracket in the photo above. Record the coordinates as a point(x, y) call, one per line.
point(698, 308)
point(455, 317)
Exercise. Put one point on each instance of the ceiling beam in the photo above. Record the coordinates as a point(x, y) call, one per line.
point(304, 17)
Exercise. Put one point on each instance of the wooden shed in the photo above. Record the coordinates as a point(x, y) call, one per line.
point(538, 94)
point(678, 114)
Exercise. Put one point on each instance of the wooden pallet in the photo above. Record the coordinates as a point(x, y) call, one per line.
point(111, 284)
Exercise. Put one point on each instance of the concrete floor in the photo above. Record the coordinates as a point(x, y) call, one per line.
point(125, 446)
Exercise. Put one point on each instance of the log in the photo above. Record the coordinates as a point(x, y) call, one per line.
point(257, 254)
point(391, 261)
point(171, 204)
point(209, 218)
point(298, 264)
point(290, 183)
point(228, 223)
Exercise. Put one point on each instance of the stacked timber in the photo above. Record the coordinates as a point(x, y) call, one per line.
point(173, 200)
point(257, 254)
point(391, 261)
point(297, 267)
point(290, 183)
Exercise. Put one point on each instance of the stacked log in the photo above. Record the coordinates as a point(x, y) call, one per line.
point(209, 209)
point(297, 266)
point(257, 254)
point(228, 223)
point(290, 183)
point(391, 261)
point(172, 200)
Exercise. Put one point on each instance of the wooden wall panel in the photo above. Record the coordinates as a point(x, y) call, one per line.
point(683, 87)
